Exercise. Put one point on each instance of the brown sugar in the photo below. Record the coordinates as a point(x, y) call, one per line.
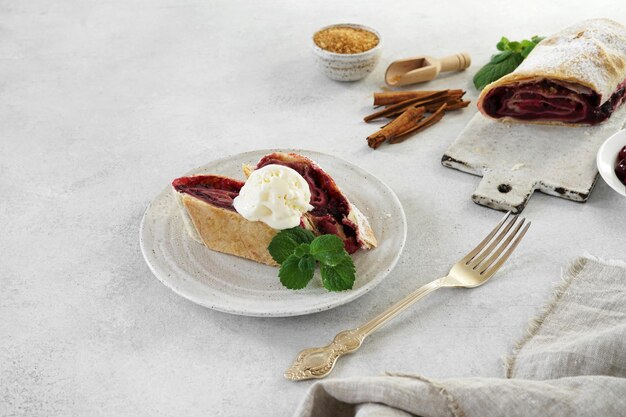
point(345, 40)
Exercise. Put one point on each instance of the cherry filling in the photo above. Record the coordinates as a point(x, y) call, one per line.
point(330, 207)
point(212, 189)
point(551, 101)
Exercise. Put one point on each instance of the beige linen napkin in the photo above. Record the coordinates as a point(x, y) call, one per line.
point(572, 363)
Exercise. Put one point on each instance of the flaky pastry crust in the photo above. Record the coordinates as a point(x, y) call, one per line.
point(591, 53)
point(227, 231)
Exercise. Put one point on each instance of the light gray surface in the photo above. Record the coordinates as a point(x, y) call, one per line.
point(103, 103)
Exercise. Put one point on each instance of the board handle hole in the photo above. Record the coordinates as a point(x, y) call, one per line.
point(504, 188)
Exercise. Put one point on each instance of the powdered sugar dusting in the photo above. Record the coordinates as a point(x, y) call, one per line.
point(592, 53)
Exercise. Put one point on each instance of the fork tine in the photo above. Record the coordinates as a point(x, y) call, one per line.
point(486, 240)
point(506, 254)
point(480, 258)
point(495, 252)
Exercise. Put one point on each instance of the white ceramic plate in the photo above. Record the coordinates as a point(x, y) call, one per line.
point(607, 160)
point(239, 286)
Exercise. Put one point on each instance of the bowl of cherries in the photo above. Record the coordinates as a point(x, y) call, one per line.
point(611, 161)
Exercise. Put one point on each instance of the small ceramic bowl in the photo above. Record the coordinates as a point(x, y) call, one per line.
point(607, 160)
point(347, 67)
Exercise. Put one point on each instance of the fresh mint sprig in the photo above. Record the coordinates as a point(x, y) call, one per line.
point(298, 251)
point(505, 62)
point(286, 241)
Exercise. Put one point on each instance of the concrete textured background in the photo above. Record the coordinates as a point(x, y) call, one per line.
point(102, 103)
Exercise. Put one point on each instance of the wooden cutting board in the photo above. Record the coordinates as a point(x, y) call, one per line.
point(516, 159)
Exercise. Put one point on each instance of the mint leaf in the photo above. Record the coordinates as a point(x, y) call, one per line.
point(306, 263)
point(526, 43)
point(331, 258)
point(281, 246)
point(339, 277)
point(501, 46)
point(286, 241)
point(515, 47)
point(299, 234)
point(326, 243)
point(528, 49)
point(500, 65)
point(298, 251)
point(294, 273)
point(505, 62)
point(500, 57)
point(328, 249)
point(301, 250)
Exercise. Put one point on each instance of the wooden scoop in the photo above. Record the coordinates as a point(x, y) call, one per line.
point(423, 68)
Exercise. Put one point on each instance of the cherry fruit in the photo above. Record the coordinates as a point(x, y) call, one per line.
point(620, 171)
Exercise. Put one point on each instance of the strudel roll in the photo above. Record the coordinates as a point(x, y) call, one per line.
point(575, 77)
point(210, 218)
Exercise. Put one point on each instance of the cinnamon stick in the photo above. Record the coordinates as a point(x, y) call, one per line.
point(423, 124)
point(397, 127)
point(394, 97)
point(459, 105)
point(399, 107)
point(434, 104)
point(451, 105)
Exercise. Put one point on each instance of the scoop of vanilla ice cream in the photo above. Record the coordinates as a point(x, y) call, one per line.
point(276, 195)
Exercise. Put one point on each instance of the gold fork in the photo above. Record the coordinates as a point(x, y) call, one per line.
point(471, 271)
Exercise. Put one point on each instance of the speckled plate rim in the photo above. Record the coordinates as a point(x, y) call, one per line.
point(171, 278)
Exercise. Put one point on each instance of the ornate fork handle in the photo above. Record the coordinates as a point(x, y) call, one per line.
point(471, 271)
point(319, 362)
